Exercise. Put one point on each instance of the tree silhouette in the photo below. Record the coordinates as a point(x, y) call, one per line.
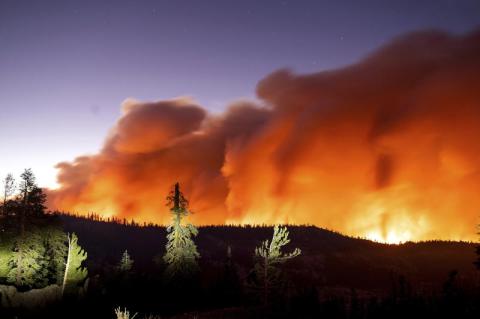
point(181, 252)
point(32, 196)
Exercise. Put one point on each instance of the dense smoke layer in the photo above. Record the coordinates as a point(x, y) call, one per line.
point(388, 148)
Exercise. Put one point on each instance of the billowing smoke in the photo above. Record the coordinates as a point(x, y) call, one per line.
point(388, 148)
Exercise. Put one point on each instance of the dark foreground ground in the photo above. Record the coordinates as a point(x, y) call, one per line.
point(334, 277)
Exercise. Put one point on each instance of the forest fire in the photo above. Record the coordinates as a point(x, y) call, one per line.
point(240, 159)
point(386, 149)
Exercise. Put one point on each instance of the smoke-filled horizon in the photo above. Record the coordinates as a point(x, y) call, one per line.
point(386, 148)
point(66, 66)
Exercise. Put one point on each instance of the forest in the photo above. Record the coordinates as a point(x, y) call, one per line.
point(61, 265)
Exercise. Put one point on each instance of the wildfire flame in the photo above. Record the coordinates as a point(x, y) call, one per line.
point(387, 149)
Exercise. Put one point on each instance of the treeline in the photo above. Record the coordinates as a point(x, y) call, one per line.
point(95, 217)
point(110, 219)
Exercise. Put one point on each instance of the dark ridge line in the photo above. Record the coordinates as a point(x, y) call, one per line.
point(132, 223)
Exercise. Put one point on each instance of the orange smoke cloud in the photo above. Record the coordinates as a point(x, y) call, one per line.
point(388, 148)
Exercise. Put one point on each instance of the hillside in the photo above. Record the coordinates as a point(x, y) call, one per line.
point(328, 259)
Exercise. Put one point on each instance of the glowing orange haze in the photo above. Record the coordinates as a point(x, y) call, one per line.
point(388, 149)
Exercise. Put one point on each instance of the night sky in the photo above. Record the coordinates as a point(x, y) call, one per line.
point(66, 66)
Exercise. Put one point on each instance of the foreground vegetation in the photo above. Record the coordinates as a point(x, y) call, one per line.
point(219, 271)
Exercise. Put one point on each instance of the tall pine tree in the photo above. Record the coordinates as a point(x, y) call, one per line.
point(28, 261)
point(181, 252)
point(32, 244)
point(269, 256)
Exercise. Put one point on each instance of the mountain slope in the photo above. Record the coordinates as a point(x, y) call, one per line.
point(328, 259)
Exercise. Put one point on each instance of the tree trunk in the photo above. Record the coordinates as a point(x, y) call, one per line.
point(67, 265)
point(176, 200)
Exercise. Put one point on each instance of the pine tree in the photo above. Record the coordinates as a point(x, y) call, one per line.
point(126, 262)
point(28, 247)
point(181, 252)
point(27, 184)
point(75, 273)
point(56, 253)
point(28, 264)
point(32, 196)
point(36, 201)
point(269, 256)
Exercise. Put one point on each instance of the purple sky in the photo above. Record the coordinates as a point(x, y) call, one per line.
point(66, 66)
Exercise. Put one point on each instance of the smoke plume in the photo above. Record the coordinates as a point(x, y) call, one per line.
point(387, 148)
